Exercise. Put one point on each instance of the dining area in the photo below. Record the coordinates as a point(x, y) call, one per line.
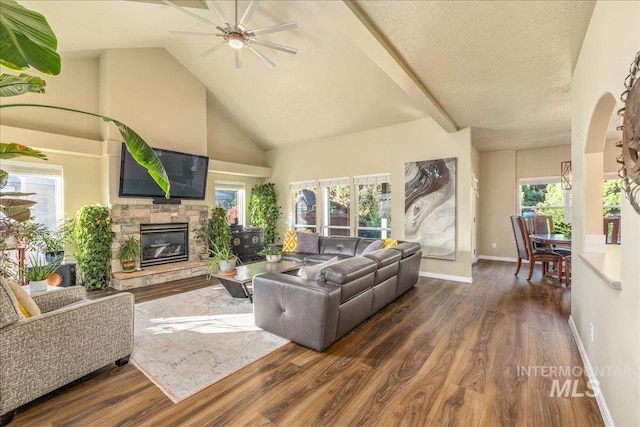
point(537, 242)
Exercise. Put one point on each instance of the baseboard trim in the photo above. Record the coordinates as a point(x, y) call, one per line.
point(446, 277)
point(602, 405)
point(500, 258)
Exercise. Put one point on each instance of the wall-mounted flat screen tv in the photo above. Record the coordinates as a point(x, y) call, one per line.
point(187, 175)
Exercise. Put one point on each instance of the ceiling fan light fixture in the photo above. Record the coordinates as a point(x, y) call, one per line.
point(235, 42)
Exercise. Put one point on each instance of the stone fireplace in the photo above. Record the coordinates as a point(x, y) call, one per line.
point(170, 250)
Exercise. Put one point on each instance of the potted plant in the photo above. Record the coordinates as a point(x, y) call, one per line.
point(129, 253)
point(204, 232)
point(51, 241)
point(264, 211)
point(38, 272)
point(272, 253)
point(223, 260)
point(93, 238)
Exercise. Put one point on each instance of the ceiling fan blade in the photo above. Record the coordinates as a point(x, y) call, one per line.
point(214, 6)
point(275, 46)
point(248, 12)
point(183, 10)
point(194, 33)
point(273, 29)
point(213, 49)
point(261, 56)
point(238, 59)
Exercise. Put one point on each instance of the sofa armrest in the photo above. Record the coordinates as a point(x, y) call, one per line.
point(45, 352)
point(303, 311)
point(53, 300)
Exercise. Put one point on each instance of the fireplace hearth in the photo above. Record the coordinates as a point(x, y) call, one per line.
point(164, 243)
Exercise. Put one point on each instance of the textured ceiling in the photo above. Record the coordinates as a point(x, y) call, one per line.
point(502, 68)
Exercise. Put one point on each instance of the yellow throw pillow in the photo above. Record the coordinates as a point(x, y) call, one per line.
point(26, 304)
point(290, 241)
point(389, 242)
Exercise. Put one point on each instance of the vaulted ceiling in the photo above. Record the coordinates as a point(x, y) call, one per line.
point(502, 68)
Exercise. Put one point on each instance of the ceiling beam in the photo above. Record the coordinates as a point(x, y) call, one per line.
point(350, 18)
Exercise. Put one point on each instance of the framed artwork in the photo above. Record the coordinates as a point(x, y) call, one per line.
point(430, 206)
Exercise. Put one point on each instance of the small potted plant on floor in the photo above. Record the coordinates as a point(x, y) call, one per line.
point(129, 253)
point(222, 260)
point(38, 271)
point(272, 253)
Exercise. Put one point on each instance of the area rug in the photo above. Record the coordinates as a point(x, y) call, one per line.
point(188, 341)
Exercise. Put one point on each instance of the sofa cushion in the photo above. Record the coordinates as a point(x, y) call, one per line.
point(8, 305)
point(314, 272)
point(373, 246)
point(318, 258)
point(383, 258)
point(363, 244)
point(307, 243)
point(292, 256)
point(289, 242)
point(407, 248)
point(336, 245)
point(389, 243)
point(353, 275)
point(26, 304)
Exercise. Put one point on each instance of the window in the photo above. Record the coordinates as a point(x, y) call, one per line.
point(45, 181)
point(230, 197)
point(374, 206)
point(545, 196)
point(611, 196)
point(304, 199)
point(337, 207)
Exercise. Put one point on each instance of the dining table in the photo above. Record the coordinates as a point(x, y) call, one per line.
point(559, 240)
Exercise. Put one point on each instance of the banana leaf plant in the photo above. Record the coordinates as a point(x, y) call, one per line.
point(28, 41)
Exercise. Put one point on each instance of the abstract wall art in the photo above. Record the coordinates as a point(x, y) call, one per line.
point(430, 206)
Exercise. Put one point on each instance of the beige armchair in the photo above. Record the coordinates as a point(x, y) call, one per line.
point(72, 337)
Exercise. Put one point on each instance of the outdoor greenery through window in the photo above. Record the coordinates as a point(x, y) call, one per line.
point(611, 197)
point(546, 199)
point(45, 180)
point(328, 211)
point(337, 202)
point(374, 206)
point(305, 202)
point(230, 197)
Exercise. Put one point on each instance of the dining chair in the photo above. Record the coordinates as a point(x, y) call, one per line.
point(527, 252)
point(542, 224)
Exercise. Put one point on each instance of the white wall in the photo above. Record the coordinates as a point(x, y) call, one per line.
point(611, 43)
point(385, 150)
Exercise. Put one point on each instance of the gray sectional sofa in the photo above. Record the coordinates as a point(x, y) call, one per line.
point(317, 313)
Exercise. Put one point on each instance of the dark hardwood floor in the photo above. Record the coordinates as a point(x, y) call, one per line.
point(445, 353)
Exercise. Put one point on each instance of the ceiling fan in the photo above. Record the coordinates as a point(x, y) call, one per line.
point(237, 35)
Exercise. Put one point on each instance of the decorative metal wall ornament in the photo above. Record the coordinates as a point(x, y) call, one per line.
point(565, 173)
point(630, 158)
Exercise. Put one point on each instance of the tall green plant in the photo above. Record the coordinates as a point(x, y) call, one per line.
point(220, 230)
point(93, 236)
point(26, 41)
point(264, 211)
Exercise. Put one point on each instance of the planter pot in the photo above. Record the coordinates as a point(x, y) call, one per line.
point(128, 266)
point(38, 285)
point(227, 265)
point(56, 256)
point(273, 258)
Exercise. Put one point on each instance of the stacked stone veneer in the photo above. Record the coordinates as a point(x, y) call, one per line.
point(126, 222)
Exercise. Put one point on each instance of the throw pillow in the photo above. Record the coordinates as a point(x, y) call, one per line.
point(373, 246)
point(289, 242)
point(307, 243)
point(26, 304)
point(314, 272)
point(389, 242)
